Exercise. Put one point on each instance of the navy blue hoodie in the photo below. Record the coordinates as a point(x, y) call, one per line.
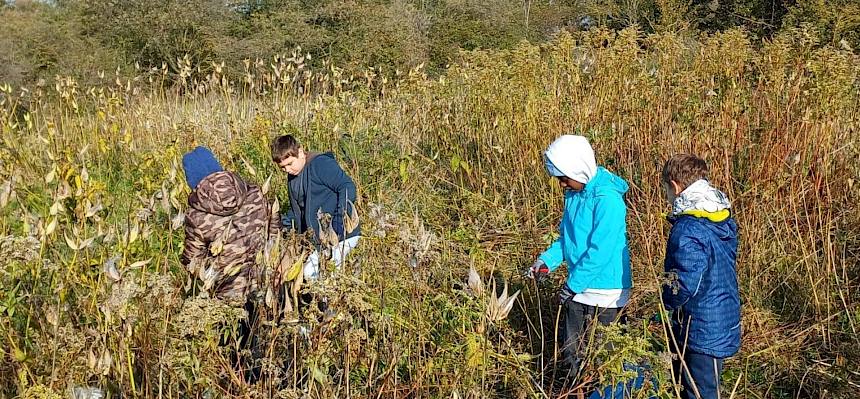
point(321, 185)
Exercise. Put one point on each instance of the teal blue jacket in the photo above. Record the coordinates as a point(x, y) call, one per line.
point(593, 239)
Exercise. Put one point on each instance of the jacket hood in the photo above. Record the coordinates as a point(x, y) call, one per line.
point(220, 193)
point(605, 182)
point(314, 155)
point(571, 156)
point(701, 197)
point(311, 157)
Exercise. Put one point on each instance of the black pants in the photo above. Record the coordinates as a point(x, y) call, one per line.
point(248, 340)
point(576, 335)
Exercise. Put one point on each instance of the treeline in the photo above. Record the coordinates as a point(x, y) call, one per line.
point(41, 39)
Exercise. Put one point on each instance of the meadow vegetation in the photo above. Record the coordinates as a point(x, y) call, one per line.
point(450, 177)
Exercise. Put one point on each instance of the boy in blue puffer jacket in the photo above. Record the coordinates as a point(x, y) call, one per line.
point(702, 283)
point(593, 244)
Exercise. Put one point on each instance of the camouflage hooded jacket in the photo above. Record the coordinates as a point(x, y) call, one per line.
point(227, 225)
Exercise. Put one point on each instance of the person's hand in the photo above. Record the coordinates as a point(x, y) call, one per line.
point(538, 270)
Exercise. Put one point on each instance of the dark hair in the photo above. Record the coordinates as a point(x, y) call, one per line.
point(684, 169)
point(284, 147)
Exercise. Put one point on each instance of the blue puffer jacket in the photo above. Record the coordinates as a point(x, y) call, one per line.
point(703, 288)
point(321, 185)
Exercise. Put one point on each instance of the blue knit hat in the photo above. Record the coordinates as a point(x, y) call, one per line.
point(198, 164)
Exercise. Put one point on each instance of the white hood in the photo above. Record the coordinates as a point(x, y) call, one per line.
point(700, 196)
point(571, 156)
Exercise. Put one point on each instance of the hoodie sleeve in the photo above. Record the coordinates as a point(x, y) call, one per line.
point(333, 177)
point(194, 246)
point(554, 255)
point(608, 227)
point(292, 221)
point(686, 262)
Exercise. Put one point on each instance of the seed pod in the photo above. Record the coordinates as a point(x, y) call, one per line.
point(92, 360)
point(111, 270)
point(475, 283)
point(105, 362)
point(350, 219)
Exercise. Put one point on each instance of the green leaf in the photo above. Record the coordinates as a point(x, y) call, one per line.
point(404, 173)
point(318, 375)
point(466, 167)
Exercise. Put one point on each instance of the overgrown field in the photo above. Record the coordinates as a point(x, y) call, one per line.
point(450, 176)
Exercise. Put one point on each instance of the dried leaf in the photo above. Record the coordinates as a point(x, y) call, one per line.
point(56, 208)
point(266, 185)
point(164, 195)
point(177, 221)
point(5, 193)
point(294, 290)
point(276, 207)
point(296, 269)
point(52, 225)
point(92, 210)
point(216, 247)
point(270, 298)
point(86, 243)
point(133, 234)
point(51, 176)
point(250, 168)
point(140, 263)
point(209, 276)
point(70, 242)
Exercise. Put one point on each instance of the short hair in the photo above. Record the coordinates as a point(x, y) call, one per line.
point(284, 147)
point(684, 169)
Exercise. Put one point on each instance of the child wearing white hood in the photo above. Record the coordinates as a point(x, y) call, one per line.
point(592, 242)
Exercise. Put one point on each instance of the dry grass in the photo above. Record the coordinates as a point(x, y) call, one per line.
point(450, 177)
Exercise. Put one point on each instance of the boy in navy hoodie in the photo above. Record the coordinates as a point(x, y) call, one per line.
point(702, 290)
point(321, 199)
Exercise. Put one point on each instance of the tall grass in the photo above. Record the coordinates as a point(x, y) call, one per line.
point(450, 177)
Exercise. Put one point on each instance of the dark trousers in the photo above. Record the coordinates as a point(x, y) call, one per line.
point(576, 335)
point(248, 340)
point(704, 371)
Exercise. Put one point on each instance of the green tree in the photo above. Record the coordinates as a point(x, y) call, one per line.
point(149, 33)
point(40, 41)
point(837, 22)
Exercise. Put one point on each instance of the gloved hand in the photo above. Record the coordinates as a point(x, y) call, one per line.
point(538, 271)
